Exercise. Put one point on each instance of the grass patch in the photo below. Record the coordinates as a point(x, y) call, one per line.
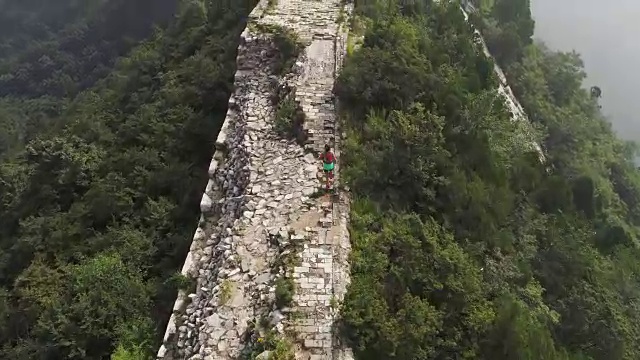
point(285, 115)
point(296, 315)
point(279, 347)
point(226, 290)
point(333, 303)
point(283, 350)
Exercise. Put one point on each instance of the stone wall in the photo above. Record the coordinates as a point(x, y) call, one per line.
point(262, 204)
point(504, 89)
point(514, 106)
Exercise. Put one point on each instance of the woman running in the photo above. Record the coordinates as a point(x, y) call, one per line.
point(328, 164)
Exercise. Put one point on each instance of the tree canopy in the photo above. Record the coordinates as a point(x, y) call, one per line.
point(465, 244)
point(108, 110)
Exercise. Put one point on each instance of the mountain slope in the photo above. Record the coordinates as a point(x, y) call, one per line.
point(100, 190)
point(464, 245)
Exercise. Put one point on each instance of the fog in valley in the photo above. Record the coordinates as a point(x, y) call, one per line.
point(606, 35)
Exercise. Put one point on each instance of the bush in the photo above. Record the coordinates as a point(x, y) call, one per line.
point(288, 45)
point(283, 350)
point(285, 289)
point(181, 282)
point(289, 119)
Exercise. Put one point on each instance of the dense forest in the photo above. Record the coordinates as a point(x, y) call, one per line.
point(108, 110)
point(465, 244)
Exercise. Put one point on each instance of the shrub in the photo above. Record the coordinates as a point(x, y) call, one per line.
point(285, 289)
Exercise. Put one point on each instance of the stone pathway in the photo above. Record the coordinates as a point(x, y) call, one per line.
point(322, 278)
point(315, 93)
point(316, 278)
point(261, 185)
point(315, 22)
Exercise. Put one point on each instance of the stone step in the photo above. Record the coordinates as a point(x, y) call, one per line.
point(326, 222)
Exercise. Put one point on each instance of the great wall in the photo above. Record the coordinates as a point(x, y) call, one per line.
point(263, 231)
point(264, 228)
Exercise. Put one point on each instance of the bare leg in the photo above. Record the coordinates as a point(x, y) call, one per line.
point(329, 179)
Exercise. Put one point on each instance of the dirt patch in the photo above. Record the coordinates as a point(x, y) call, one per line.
point(308, 219)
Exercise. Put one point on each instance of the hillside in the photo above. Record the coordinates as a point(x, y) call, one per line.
point(106, 112)
point(464, 245)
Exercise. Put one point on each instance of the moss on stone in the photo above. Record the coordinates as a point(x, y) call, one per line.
point(226, 291)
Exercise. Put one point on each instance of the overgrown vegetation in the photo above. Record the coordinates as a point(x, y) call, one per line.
point(273, 346)
point(289, 116)
point(289, 48)
point(288, 258)
point(182, 282)
point(102, 165)
point(464, 245)
point(264, 342)
point(288, 44)
point(283, 350)
point(284, 292)
point(226, 292)
point(285, 113)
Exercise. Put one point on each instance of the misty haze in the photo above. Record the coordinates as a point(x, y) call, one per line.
point(606, 37)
